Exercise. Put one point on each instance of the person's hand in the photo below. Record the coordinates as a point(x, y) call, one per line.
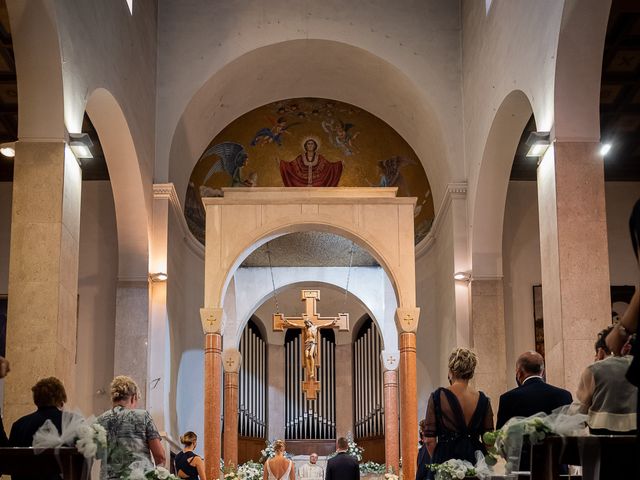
point(4, 367)
point(616, 339)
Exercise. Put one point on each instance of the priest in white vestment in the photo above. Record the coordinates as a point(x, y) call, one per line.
point(311, 470)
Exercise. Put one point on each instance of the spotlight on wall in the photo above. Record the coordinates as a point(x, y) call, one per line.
point(462, 276)
point(538, 142)
point(604, 149)
point(80, 144)
point(8, 149)
point(158, 277)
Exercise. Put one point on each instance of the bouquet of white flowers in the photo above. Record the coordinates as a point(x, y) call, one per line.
point(372, 467)
point(453, 469)
point(92, 440)
point(250, 471)
point(158, 473)
point(354, 450)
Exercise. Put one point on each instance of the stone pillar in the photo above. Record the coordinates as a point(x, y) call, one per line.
point(344, 388)
point(276, 400)
point(489, 341)
point(132, 332)
point(574, 257)
point(211, 324)
point(390, 363)
point(231, 361)
point(43, 271)
point(407, 322)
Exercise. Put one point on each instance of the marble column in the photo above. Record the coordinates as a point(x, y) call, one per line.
point(231, 361)
point(344, 388)
point(407, 323)
point(211, 325)
point(276, 395)
point(390, 363)
point(43, 271)
point(132, 332)
point(488, 333)
point(574, 257)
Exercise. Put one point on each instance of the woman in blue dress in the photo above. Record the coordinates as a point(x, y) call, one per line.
point(189, 465)
point(458, 415)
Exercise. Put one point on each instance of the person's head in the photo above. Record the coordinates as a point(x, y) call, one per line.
point(602, 351)
point(308, 322)
point(422, 426)
point(529, 364)
point(49, 392)
point(313, 458)
point(279, 446)
point(342, 445)
point(189, 439)
point(310, 145)
point(462, 364)
point(124, 391)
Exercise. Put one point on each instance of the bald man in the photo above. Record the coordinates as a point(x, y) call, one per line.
point(532, 395)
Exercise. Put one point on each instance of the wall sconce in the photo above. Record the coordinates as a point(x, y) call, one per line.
point(604, 149)
point(462, 276)
point(8, 149)
point(538, 143)
point(158, 277)
point(80, 144)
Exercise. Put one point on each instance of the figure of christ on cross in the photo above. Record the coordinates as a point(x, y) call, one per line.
point(310, 323)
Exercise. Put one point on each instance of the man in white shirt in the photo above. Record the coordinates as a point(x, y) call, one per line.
point(311, 470)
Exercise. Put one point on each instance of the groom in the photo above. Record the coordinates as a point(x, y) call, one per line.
point(343, 466)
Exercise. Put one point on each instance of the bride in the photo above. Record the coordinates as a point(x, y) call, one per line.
point(279, 467)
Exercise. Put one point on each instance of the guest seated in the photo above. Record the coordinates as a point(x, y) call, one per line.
point(49, 396)
point(423, 454)
point(131, 433)
point(279, 467)
point(189, 465)
point(605, 394)
point(457, 416)
point(311, 469)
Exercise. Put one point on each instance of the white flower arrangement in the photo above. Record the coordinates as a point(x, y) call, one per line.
point(453, 470)
point(391, 476)
point(268, 451)
point(91, 440)
point(372, 468)
point(158, 473)
point(250, 471)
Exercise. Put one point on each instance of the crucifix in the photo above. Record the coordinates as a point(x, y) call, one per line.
point(310, 323)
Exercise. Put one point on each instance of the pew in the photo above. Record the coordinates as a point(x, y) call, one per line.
point(617, 455)
point(24, 461)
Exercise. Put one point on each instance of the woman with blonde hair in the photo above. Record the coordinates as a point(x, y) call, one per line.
point(279, 467)
point(458, 415)
point(131, 433)
point(189, 465)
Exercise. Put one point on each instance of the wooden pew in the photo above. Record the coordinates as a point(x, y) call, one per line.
point(618, 457)
point(24, 461)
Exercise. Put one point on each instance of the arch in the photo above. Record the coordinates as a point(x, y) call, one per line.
point(341, 72)
point(579, 70)
point(493, 182)
point(126, 183)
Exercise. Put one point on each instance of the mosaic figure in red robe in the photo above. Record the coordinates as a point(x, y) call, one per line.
point(310, 169)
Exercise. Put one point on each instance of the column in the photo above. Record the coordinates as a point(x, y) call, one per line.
point(488, 333)
point(231, 361)
point(211, 325)
point(390, 363)
point(43, 271)
point(574, 257)
point(407, 323)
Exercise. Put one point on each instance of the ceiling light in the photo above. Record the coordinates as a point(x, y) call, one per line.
point(462, 276)
point(81, 144)
point(8, 149)
point(538, 143)
point(158, 277)
point(604, 149)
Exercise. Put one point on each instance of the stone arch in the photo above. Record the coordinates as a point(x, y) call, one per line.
point(341, 72)
point(493, 182)
point(126, 183)
point(579, 70)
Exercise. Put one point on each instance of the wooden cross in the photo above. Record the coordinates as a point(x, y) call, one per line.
point(310, 323)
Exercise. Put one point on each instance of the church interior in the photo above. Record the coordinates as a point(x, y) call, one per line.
point(183, 183)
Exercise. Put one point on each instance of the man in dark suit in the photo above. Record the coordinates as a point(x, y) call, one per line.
point(343, 466)
point(423, 454)
point(533, 395)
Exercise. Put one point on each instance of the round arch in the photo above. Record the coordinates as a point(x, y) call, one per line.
point(126, 183)
point(340, 72)
point(493, 182)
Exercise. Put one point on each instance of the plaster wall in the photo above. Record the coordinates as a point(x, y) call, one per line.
point(521, 249)
point(416, 41)
point(97, 277)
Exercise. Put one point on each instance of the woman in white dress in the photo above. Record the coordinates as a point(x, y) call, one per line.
point(279, 467)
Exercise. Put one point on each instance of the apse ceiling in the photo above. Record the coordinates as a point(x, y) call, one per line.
point(619, 100)
point(310, 249)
